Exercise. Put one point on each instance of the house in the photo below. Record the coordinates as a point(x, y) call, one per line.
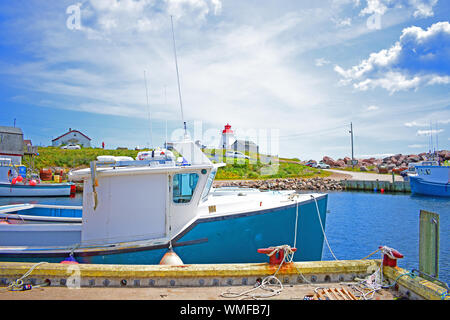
point(72, 137)
point(11, 144)
point(245, 146)
point(229, 141)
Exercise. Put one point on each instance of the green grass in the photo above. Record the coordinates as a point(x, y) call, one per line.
point(56, 157)
point(249, 171)
point(239, 169)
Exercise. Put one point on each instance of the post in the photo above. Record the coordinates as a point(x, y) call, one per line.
point(429, 243)
point(351, 132)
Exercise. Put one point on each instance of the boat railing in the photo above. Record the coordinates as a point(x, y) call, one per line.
point(136, 163)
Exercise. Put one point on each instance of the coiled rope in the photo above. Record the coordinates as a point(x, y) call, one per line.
point(18, 285)
point(266, 283)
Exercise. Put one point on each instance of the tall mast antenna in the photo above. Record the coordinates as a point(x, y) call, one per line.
point(178, 78)
point(149, 116)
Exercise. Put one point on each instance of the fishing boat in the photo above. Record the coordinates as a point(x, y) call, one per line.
point(431, 181)
point(134, 212)
point(15, 184)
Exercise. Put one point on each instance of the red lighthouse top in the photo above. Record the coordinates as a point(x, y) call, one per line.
point(227, 129)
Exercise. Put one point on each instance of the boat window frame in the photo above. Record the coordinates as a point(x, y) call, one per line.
point(194, 190)
point(208, 185)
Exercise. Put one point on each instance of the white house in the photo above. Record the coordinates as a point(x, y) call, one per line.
point(72, 137)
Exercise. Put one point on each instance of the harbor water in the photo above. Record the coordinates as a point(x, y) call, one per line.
point(358, 223)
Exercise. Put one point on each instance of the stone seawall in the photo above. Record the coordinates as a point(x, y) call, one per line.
point(317, 184)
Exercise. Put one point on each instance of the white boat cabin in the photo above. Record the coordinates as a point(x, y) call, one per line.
point(144, 199)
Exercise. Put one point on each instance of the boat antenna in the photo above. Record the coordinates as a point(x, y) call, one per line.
point(149, 115)
point(437, 143)
point(178, 78)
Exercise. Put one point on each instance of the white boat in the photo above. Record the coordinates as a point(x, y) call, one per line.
point(134, 211)
point(13, 184)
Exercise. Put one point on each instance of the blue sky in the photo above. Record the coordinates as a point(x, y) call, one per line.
point(292, 72)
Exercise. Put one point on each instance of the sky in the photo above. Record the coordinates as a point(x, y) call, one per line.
point(290, 75)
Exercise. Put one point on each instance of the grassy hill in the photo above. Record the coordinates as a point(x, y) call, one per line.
point(69, 159)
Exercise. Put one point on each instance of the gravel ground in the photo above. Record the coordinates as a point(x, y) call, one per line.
point(365, 175)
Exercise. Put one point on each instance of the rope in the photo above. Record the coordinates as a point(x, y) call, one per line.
point(18, 284)
point(323, 231)
point(266, 282)
point(296, 222)
point(371, 254)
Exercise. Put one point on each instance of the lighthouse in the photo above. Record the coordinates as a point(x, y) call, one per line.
point(227, 137)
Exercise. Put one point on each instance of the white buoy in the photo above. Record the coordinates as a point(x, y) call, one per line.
point(171, 258)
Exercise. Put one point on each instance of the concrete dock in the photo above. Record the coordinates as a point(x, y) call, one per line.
point(297, 280)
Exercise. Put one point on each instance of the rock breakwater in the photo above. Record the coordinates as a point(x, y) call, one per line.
point(316, 184)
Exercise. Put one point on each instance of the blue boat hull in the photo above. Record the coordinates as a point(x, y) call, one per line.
point(225, 239)
point(40, 190)
point(419, 186)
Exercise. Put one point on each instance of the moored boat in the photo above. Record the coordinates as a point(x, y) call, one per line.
point(431, 181)
point(134, 211)
point(13, 184)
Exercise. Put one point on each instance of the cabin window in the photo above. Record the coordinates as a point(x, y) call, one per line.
point(184, 186)
point(209, 183)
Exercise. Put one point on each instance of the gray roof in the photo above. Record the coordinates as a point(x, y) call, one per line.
point(245, 142)
point(12, 130)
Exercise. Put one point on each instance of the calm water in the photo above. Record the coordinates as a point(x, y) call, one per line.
point(359, 222)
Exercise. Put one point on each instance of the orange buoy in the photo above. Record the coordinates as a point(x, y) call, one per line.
point(171, 258)
point(69, 260)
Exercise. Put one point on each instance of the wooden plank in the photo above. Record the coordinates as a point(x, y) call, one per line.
point(328, 294)
point(333, 294)
point(342, 294)
point(336, 294)
point(350, 294)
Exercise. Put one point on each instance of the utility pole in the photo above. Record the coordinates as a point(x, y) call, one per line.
point(351, 132)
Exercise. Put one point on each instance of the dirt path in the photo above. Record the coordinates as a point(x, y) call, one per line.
point(365, 175)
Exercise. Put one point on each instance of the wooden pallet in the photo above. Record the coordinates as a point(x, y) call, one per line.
point(333, 294)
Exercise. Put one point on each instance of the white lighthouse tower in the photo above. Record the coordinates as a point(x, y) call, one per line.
point(227, 137)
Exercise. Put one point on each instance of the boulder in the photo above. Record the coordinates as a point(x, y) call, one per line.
point(340, 163)
point(329, 161)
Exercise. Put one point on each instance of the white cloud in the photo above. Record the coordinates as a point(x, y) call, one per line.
point(429, 132)
point(415, 124)
point(423, 9)
point(419, 58)
point(372, 108)
point(321, 62)
point(419, 8)
point(425, 124)
point(416, 146)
